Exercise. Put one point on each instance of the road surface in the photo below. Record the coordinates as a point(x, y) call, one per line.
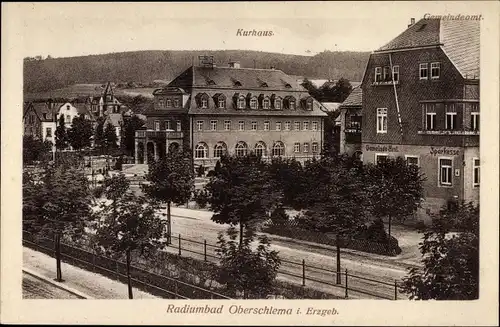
point(34, 288)
point(195, 226)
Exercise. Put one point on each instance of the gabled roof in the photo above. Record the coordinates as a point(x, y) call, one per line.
point(228, 77)
point(45, 110)
point(331, 106)
point(83, 109)
point(355, 98)
point(459, 39)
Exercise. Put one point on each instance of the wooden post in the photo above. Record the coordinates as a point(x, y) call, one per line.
point(179, 244)
point(129, 281)
point(303, 272)
point(339, 280)
point(395, 289)
point(205, 249)
point(346, 285)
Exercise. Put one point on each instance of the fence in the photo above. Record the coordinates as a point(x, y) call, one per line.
point(300, 272)
point(164, 286)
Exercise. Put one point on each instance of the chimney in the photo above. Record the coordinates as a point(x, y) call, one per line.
point(234, 64)
point(412, 22)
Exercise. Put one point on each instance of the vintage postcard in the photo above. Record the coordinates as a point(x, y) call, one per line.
point(257, 163)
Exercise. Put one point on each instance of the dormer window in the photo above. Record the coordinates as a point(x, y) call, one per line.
point(161, 103)
point(277, 104)
point(290, 103)
point(263, 84)
point(308, 104)
point(202, 100)
point(265, 104)
point(253, 103)
point(176, 103)
point(169, 103)
point(210, 82)
point(241, 102)
point(220, 100)
point(288, 86)
point(378, 74)
point(236, 82)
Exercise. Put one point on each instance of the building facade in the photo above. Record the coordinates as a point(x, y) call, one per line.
point(214, 110)
point(421, 101)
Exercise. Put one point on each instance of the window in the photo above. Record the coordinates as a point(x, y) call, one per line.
point(451, 120)
point(48, 132)
point(227, 125)
point(474, 121)
point(168, 125)
point(253, 103)
point(445, 171)
point(241, 103)
point(292, 104)
point(241, 149)
point(306, 147)
point(161, 103)
point(296, 147)
point(199, 124)
point(260, 149)
point(266, 125)
point(380, 158)
point(265, 104)
point(381, 120)
point(395, 73)
point(201, 151)
point(314, 147)
point(387, 74)
point(314, 125)
point(204, 102)
point(68, 119)
point(178, 125)
point(297, 126)
point(169, 103)
point(475, 178)
point(278, 149)
point(305, 125)
point(430, 121)
point(277, 104)
point(157, 125)
point(378, 74)
point(278, 126)
point(176, 103)
point(435, 70)
point(213, 125)
point(424, 71)
point(67, 107)
point(287, 126)
point(309, 105)
point(222, 103)
point(254, 126)
point(219, 149)
point(241, 125)
point(411, 160)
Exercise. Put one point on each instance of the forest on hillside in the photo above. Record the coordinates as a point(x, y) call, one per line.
point(147, 66)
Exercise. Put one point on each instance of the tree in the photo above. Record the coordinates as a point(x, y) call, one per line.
point(99, 134)
point(241, 192)
point(395, 188)
point(287, 177)
point(58, 205)
point(331, 135)
point(341, 90)
point(80, 133)
point(128, 136)
point(110, 138)
point(128, 224)
point(242, 269)
point(450, 254)
point(61, 135)
point(35, 150)
point(339, 201)
point(171, 179)
point(312, 89)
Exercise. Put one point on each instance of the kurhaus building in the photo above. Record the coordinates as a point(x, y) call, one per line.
point(215, 110)
point(421, 102)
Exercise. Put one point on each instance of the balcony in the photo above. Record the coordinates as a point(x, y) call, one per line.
point(159, 134)
point(448, 132)
point(353, 129)
point(383, 83)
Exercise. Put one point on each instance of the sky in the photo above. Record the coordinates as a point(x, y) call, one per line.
point(303, 28)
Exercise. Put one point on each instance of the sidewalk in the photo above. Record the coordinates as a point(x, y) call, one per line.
point(86, 282)
point(408, 241)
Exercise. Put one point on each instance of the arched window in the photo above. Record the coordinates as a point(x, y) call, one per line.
point(253, 103)
point(219, 149)
point(201, 151)
point(278, 149)
point(241, 102)
point(277, 103)
point(260, 149)
point(241, 149)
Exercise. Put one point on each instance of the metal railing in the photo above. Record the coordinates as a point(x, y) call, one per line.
point(168, 287)
point(300, 272)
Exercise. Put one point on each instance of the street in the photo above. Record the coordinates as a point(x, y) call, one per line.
point(34, 288)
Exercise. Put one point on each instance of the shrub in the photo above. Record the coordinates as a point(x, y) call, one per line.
point(201, 198)
point(279, 216)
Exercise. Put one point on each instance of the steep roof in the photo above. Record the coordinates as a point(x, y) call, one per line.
point(459, 39)
point(83, 109)
point(46, 111)
point(228, 77)
point(331, 106)
point(355, 98)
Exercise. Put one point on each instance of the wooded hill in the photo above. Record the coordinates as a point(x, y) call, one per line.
point(147, 66)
